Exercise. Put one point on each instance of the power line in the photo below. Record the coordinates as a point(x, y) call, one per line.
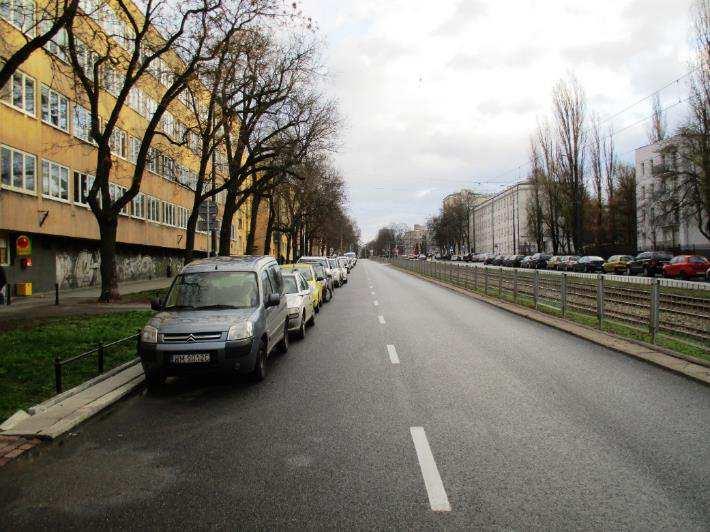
point(625, 109)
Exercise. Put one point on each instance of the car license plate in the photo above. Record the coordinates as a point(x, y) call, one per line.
point(191, 358)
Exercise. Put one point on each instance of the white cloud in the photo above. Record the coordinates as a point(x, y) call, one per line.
point(440, 96)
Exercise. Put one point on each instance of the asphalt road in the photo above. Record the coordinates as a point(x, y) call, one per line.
point(486, 420)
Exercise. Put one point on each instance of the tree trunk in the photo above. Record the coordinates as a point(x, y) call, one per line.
point(269, 226)
point(251, 234)
point(107, 252)
point(189, 254)
point(225, 232)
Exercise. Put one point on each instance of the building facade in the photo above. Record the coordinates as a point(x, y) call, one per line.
point(46, 163)
point(660, 227)
point(499, 223)
point(415, 240)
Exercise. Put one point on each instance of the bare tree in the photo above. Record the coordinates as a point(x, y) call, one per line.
point(111, 52)
point(535, 212)
point(38, 26)
point(658, 129)
point(596, 164)
point(569, 106)
point(686, 172)
point(276, 117)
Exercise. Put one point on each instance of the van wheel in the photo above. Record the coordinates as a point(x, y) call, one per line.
point(258, 374)
point(302, 329)
point(283, 344)
point(316, 309)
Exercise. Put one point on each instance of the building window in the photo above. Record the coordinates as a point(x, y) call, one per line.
point(82, 185)
point(138, 205)
point(55, 108)
point(153, 209)
point(19, 13)
point(55, 180)
point(58, 45)
point(134, 146)
point(17, 169)
point(19, 93)
point(82, 123)
point(168, 213)
point(117, 142)
point(4, 252)
point(115, 192)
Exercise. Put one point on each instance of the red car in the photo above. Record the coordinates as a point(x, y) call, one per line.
point(686, 267)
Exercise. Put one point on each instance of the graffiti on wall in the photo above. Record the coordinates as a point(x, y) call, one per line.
point(76, 269)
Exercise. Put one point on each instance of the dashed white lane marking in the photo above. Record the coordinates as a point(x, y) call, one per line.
point(438, 500)
point(375, 302)
point(381, 318)
point(393, 354)
point(372, 293)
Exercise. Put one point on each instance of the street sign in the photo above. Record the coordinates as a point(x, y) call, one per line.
point(23, 246)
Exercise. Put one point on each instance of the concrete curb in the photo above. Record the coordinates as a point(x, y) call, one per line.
point(639, 350)
point(68, 412)
point(42, 407)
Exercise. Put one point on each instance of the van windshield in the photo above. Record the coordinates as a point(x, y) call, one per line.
point(203, 290)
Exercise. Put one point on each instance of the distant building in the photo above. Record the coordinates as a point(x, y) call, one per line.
point(658, 229)
point(414, 240)
point(499, 224)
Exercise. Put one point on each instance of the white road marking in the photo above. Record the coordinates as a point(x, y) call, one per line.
point(393, 354)
point(375, 302)
point(438, 500)
point(372, 293)
point(381, 318)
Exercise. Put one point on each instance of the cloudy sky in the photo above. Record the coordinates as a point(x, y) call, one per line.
point(437, 96)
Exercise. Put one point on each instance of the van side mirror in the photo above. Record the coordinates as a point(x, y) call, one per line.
point(156, 304)
point(273, 300)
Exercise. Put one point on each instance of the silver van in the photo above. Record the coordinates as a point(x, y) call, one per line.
point(221, 314)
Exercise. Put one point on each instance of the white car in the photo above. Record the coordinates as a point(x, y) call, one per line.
point(299, 299)
point(344, 262)
point(340, 274)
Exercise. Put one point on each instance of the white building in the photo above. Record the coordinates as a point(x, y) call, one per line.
point(657, 229)
point(500, 223)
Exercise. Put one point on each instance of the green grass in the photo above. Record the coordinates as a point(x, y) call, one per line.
point(143, 297)
point(623, 330)
point(26, 367)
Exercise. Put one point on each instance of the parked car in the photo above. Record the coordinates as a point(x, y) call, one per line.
point(589, 264)
point(707, 275)
point(686, 267)
point(539, 261)
point(299, 300)
point(525, 261)
point(221, 314)
point(649, 263)
point(514, 261)
point(489, 258)
point(340, 270)
point(567, 263)
point(554, 262)
point(330, 275)
point(617, 264)
point(322, 278)
point(309, 274)
point(352, 256)
point(344, 266)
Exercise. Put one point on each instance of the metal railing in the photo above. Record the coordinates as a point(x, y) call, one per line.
point(99, 351)
point(651, 309)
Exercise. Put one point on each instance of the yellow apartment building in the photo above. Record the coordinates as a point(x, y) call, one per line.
point(46, 162)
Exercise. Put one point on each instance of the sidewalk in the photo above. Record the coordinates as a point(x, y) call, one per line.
point(73, 301)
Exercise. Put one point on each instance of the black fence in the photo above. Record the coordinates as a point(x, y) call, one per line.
point(99, 351)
